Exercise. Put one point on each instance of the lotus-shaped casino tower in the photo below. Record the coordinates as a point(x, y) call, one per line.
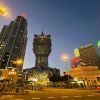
point(42, 49)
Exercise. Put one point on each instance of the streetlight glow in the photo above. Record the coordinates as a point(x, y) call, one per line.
point(3, 11)
point(65, 57)
point(19, 61)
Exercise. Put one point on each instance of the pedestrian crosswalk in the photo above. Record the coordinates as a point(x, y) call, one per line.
point(7, 97)
point(14, 97)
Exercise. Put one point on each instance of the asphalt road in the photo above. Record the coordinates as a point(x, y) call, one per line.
point(55, 94)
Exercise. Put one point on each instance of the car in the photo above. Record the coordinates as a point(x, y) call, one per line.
point(98, 87)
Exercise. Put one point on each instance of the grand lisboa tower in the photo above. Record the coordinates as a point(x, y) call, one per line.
point(41, 72)
point(42, 49)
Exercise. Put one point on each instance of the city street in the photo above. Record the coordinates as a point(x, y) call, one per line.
point(49, 49)
point(55, 94)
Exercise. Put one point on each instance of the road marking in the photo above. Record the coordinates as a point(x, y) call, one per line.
point(64, 96)
point(96, 93)
point(90, 95)
point(50, 97)
point(36, 98)
point(16, 99)
point(77, 96)
point(7, 97)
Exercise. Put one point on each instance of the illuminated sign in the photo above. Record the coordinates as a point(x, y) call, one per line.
point(98, 44)
point(76, 52)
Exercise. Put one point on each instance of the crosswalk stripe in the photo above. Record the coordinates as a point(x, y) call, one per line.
point(51, 97)
point(7, 97)
point(36, 98)
point(77, 96)
point(96, 93)
point(64, 96)
point(90, 95)
point(16, 99)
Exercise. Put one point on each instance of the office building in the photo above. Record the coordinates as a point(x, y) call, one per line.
point(88, 56)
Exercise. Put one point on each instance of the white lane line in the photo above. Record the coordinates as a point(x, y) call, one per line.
point(90, 95)
point(64, 96)
point(77, 96)
point(50, 97)
point(7, 97)
point(16, 99)
point(36, 98)
point(96, 93)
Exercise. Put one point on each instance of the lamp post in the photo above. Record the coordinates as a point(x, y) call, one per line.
point(20, 82)
point(65, 58)
point(19, 62)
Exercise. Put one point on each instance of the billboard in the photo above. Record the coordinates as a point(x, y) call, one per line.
point(77, 61)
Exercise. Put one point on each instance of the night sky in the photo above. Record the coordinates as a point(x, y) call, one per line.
point(71, 23)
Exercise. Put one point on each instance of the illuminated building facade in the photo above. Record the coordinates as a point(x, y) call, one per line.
point(42, 49)
point(3, 37)
point(38, 76)
point(88, 75)
point(13, 41)
point(88, 54)
point(10, 74)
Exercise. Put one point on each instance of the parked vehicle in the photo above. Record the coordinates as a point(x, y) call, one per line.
point(98, 87)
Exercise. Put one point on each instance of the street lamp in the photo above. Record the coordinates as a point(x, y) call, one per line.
point(19, 61)
point(65, 58)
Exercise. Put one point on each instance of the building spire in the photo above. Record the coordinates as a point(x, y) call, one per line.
point(42, 33)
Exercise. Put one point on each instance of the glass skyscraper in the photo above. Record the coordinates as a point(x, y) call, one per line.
point(13, 41)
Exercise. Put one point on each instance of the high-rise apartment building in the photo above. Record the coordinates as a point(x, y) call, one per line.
point(13, 41)
point(89, 55)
